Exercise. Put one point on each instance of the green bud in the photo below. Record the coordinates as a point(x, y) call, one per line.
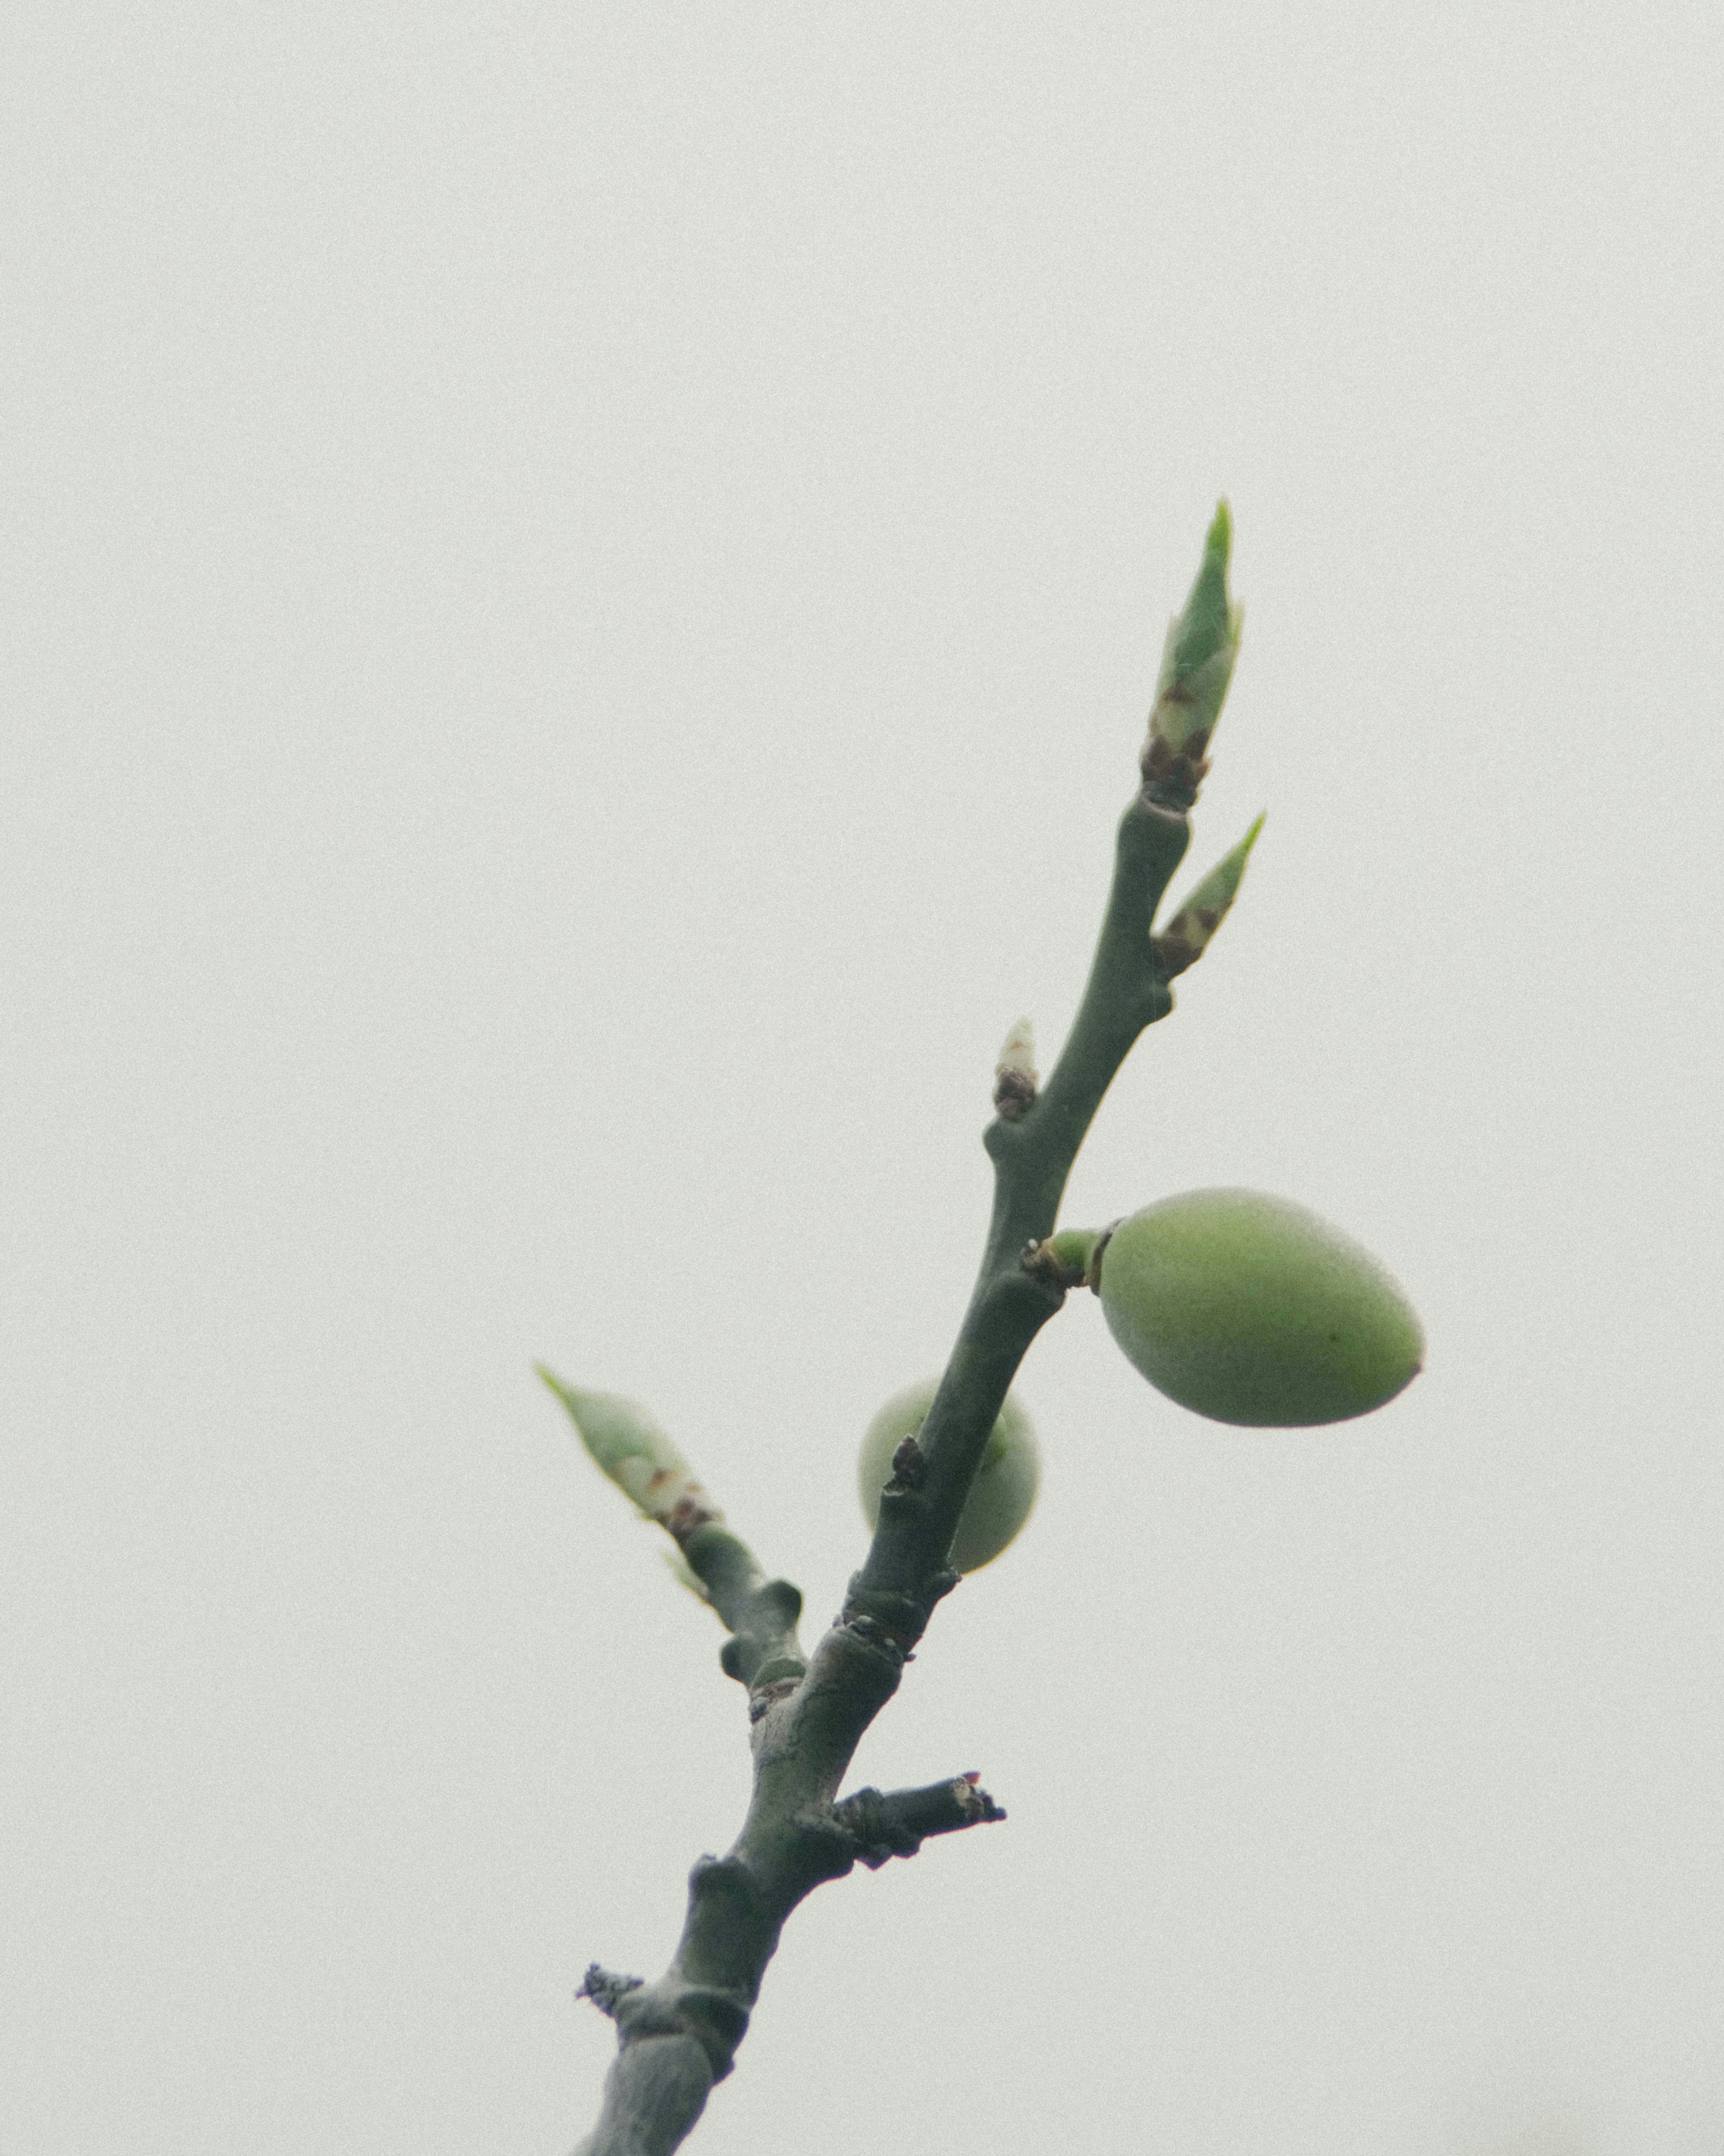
point(1251, 1310)
point(630, 1447)
point(1197, 665)
point(1001, 1495)
point(1186, 936)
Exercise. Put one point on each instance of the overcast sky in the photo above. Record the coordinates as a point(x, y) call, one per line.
point(583, 583)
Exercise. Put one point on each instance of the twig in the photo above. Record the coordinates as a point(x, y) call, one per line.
point(679, 2034)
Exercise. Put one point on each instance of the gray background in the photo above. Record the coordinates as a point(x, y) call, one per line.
point(582, 587)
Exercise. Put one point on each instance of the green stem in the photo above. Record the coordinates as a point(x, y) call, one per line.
point(680, 2034)
point(905, 1573)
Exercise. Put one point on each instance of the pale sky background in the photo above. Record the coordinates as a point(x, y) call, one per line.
point(582, 587)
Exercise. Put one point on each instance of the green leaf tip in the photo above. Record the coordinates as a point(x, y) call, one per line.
point(1203, 629)
point(1197, 665)
point(630, 1445)
point(1186, 936)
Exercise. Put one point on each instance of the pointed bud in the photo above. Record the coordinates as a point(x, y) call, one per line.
point(630, 1446)
point(1186, 936)
point(1197, 665)
point(1015, 1082)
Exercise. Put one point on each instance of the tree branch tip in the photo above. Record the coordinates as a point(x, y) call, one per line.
point(985, 1812)
point(1192, 927)
point(1197, 664)
point(1016, 1081)
point(631, 1448)
point(882, 1827)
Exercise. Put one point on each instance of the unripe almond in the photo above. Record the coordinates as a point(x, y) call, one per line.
point(1249, 1309)
point(1002, 1493)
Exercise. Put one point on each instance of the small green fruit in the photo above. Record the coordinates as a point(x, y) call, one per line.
point(1250, 1309)
point(1000, 1497)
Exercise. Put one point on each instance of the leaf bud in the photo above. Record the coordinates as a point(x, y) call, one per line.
point(1197, 665)
point(1015, 1079)
point(628, 1444)
point(1186, 936)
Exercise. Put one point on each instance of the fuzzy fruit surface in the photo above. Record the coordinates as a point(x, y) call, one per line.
point(1000, 1497)
point(1249, 1309)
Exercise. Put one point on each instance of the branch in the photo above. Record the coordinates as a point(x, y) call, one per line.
point(679, 2034)
point(1033, 1152)
point(886, 1827)
point(763, 1652)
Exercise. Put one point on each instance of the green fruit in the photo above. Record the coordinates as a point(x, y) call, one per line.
point(1000, 1497)
point(1249, 1309)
